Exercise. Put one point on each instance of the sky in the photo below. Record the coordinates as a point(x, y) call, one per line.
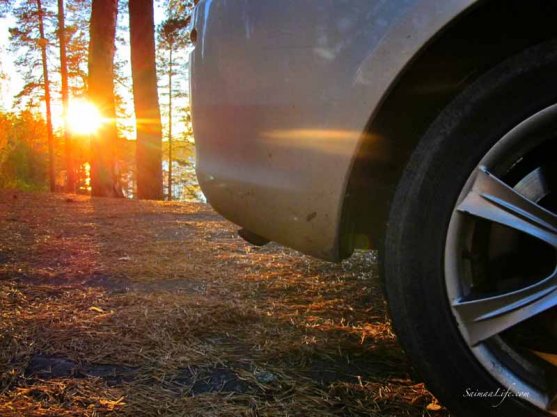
point(14, 83)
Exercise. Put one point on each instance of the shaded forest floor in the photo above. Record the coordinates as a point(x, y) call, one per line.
point(118, 307)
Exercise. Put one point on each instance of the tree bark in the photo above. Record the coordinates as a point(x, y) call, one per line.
point(70, 169)
point(104, 175)
point(146, 101)
point(50, 136)
point(171, 47)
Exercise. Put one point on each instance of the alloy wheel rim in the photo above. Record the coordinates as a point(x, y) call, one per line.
point(507, 209)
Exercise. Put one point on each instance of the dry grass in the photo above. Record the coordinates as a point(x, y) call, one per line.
point(113, 307)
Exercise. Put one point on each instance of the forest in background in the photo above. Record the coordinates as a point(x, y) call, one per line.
point(104, 107)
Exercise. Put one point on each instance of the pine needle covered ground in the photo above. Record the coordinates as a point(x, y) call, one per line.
point(118, 307)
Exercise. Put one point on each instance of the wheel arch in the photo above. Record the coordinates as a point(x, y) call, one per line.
point(470, 45)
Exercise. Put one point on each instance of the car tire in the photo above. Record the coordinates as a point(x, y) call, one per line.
point(440, 178)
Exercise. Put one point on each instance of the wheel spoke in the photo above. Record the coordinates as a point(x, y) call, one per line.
point(491, 199)
point(488, 316)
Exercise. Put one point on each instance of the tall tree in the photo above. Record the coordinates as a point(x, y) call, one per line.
point(180, 9)
point(171, 37)
point(43, 42)
point(77, 19)
point(30, 34)
point(146, 101)
point(104, 174)
point(171, 43)
point(70, 169)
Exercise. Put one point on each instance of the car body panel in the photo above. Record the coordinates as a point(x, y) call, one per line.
point(282, 92)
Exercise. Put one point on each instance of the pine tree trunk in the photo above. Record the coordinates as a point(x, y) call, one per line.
point(70, 169)
point(104, 176)
point(146, 101)
point(171, 46)
point(50, 136)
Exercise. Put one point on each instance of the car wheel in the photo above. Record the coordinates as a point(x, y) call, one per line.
point(470, 253)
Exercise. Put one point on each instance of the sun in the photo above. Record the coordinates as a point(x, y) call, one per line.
point(84, 118)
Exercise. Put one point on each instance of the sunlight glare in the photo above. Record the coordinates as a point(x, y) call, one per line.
point(84, 118)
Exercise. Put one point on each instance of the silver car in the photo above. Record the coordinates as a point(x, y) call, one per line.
point(425, 129)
